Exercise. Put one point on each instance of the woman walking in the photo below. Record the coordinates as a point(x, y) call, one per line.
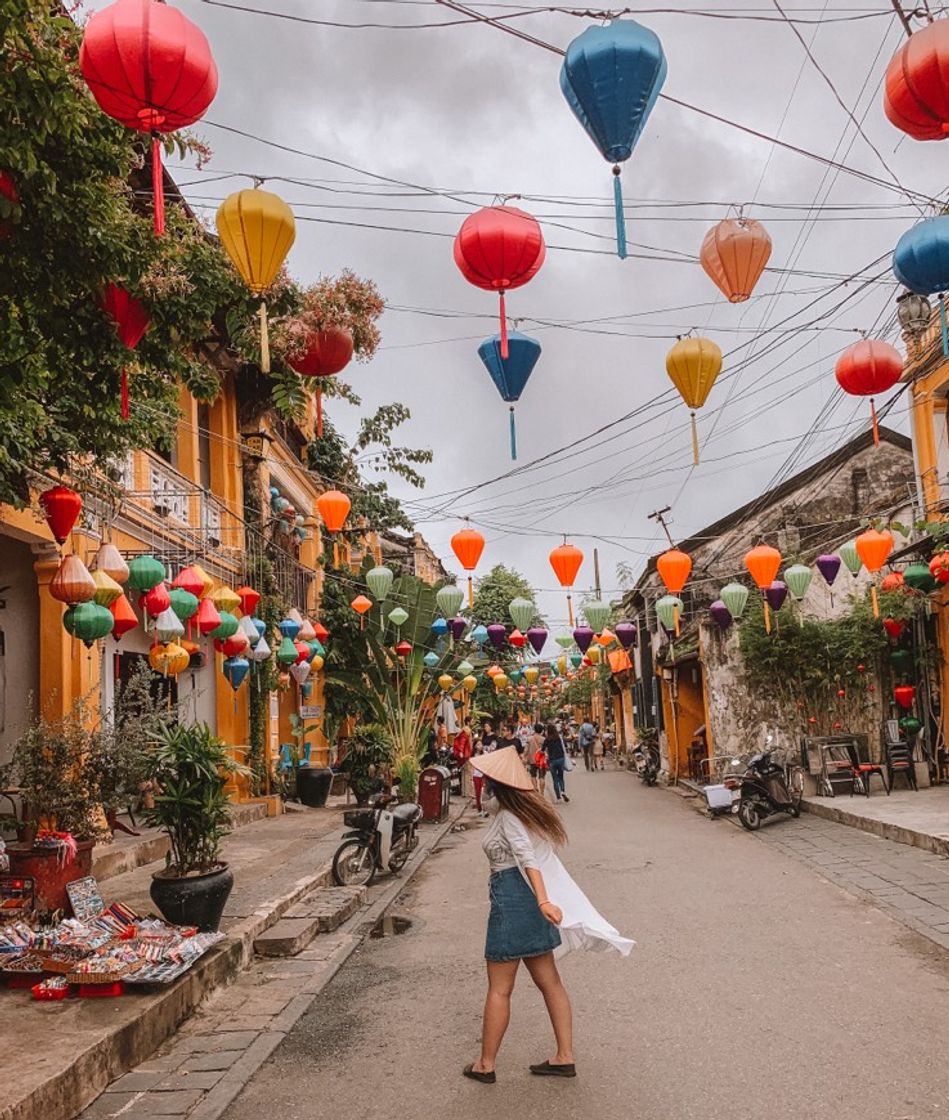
point(556, 754)
point(536, 908)
point(597, 748)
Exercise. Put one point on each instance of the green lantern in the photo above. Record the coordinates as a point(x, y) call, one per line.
point(596, 613)
point(920, 578)
point(465, 669)
point(565, 641)
point(667, 608)
point(145, 572)
point(88, 622)
point(514, 676)
point(183, 603)
point(449, 599)
point(848, 553)
point(316, 648)
point(522, 611)
point(911, 725)
point(287, 653)
point(735, 598)
point(576, 659)
point(379, 581)
point(398, 616)
point(798, 578)
point(226, 628)
point(901, 659)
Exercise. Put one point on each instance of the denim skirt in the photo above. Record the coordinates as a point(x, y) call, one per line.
point(516, 927)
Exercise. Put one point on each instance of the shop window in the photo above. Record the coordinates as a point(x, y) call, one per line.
point(168, 452)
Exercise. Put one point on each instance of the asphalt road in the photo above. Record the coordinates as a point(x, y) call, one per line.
point(757, 991)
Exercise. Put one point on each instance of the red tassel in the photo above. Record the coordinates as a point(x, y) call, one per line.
point(504, 350)
point(319, 413)
point(124, 393)
point(158, 186)
point(873, 417)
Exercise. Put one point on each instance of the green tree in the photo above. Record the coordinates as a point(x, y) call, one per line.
point(493, 595)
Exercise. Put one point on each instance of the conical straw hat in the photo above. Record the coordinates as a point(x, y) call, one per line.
point(503, 766)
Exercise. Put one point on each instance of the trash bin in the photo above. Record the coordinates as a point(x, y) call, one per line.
point(313, 785)
point(433, 793)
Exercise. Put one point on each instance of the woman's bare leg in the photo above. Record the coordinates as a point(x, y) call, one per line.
point(544, 973)
point(497, 1011)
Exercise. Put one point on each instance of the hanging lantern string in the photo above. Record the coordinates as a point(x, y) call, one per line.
point(503, 313)
point(620, 216)
point(264, 338)
point(158, 185)
point(695, 439)
point(513, 435)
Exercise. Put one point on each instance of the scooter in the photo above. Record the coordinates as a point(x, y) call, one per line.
point(764, 792)
point(380, 838)
point(647, 764)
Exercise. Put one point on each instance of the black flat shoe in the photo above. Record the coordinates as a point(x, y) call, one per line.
point(484, 1078)
point(545, 1069)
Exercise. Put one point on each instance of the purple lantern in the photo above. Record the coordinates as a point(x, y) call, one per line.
point(583, 635)
point(497, 634)
point(828, 566)
point(625, 633)
point(776, 594)
point(537, 636)
point(721, 615)
point(457, 627)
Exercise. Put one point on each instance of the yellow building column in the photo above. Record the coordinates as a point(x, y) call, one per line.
point(68, 671)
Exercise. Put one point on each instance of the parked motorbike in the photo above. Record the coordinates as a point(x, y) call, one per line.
point(647, 763)
point(447, 759)
point(764, 791)
point(380, 838)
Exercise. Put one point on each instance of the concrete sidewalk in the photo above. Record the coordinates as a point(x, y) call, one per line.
point(60, 1056)
point(920, 819)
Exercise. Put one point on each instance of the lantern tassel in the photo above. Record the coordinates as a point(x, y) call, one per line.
point(767, 617)
point(874, 600)
point(319, 412)
point(943, 326)
point(158, 186)
point(570, 609)
point(470, 592)
point(873, 420)
point(695, 441)
point(264, 338)
point(620, 216)
point(505, 353)
point(513, 435)
point(124, 393)
point(335, 554)
point(678, 629)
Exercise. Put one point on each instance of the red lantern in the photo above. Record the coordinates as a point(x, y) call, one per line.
point(124, 617)
point(867, 368)
point(207, 619)
point(249, 599)
point(904, 695)
point(894, 628)
point(303, 652)
point(156, 601)
point(189, 580)
point(939, 567)
point(233, 646)
point(9, 192)
point(151, 69)
point(916, 95)
point(327, 353)
point(674, 567)
point(404, 648)
point(517, 639)
point(499, 248)
point(131, 322)
point(61, 508)
point(894, 581)
point(321, 632)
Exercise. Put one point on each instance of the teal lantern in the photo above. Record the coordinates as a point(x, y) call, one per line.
point(920, 578)
point(515, 676)
point(798, 578)
point(145, 572)
point(226, 628)
point(576, 659)
point(287, 653)
point(183, 603)
point(901, 659)
point(735, 598)
point(379, 581)
point(236, 669)
point(668, 610)
point(479, 635)
point(565, 641)
point(596, 613)
point(522, 611)
point(430, 660)
point(316, 648)
point(88, 622)
point(398, 616)
point(449, 599)
point(848, 553)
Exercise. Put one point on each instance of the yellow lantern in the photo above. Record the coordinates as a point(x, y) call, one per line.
point(257, 229)
point(206, 582)
point(531, 674)
point(317, 663)
point(445, 681)
point(169, 660)
point(692, 365)
point(562, 663)
point(226, 599)
point(470, 683)
point(107, 590)
point(593, 654)
point(501, 681)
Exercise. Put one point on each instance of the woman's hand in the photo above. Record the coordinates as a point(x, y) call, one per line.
point(552, 913)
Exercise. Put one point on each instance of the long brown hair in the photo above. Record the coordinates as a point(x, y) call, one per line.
point(534, 813)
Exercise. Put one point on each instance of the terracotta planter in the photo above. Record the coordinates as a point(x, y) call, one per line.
point(50, 879)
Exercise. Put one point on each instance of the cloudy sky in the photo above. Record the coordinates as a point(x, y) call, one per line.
point(469, 111)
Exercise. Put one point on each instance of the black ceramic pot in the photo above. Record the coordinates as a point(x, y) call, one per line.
point(313, 785)
point(195, 900)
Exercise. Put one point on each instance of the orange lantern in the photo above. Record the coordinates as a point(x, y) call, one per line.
point(334, 508)
point(72, 582)
point(565, 560)
point(360, 605)
point(468, 544)
point(893, 582)
point(734, 254)
point(674, 567)
point(605, 638)
point(763, 563)
point(874, 547)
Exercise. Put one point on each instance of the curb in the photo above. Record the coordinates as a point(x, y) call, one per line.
point(938, 845)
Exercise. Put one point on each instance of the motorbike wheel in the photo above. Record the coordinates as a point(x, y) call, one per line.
point(354, 864)
point(399, 856)
point(749, 815)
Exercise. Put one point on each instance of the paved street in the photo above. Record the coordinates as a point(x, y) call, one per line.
point(758, 988)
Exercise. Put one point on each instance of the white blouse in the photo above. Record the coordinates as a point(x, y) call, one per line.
point(507, 843)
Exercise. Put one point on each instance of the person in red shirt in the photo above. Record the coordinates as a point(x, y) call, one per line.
point(461, 747)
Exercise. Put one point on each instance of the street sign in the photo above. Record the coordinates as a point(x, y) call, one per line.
point(311, 711)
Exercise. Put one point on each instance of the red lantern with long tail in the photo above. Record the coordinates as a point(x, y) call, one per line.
point(867, 368)
point(131, 322)
point(499, 248)
point(327, 353)
point(151, 69)
point(61, 508)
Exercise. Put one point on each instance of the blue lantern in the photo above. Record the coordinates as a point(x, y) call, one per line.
point(611, 78)
point(479, 635)
point(431, 660)
point(510, 374)
point(439, 628)
point(236, 669)
point(288, 628)
point(921, 262)
point(260, 626)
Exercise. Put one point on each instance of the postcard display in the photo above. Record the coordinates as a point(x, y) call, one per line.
point(99, 950)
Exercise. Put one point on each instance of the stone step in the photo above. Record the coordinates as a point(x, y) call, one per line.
point(321, 911)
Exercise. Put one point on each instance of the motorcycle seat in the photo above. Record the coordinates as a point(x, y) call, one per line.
point(405, 814)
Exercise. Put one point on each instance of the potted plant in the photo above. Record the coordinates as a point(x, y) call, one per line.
point(52, 767)
point(368, 756)
point(313, 782)
point(189, 767)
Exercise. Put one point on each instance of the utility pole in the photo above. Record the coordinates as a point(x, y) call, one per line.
point(596, 571)
point(660, 516)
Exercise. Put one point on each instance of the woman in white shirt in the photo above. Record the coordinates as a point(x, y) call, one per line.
point(525, 923)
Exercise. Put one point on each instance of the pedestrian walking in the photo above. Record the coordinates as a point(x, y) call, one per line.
point(537, 910)
point(585, 737)
point(597, 749)
point(556, 753)
point(489, 737)
point(538, 760)
point(477, 778)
